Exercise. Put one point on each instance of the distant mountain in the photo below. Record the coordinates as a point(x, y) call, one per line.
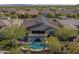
point(33, 5)
point(14, 5)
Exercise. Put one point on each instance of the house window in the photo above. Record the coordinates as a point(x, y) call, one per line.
point(38, 32)
point(51, 34)
point(37, 40)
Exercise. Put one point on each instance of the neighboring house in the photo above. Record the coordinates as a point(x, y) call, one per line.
point(39, 28)
point(70, 23)
point(65, 11)
point(33, 12)
point(60, 11)
point(77, 11)
point(5, 18)
point(10, 22)
point(20, 12)
point(46, 12)
point(2, 24)
point(6, 22)
point(15, 22)
point(70, 11)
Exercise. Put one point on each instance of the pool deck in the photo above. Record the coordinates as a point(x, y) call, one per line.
point(36, 50)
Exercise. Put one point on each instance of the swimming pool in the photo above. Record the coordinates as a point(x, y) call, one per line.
point(36, 45)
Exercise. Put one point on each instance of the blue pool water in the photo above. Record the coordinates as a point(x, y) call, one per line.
point(36, 45)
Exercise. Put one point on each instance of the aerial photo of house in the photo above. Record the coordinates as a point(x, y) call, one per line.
point(39, 29)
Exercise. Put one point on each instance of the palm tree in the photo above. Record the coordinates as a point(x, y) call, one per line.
point(13, 33)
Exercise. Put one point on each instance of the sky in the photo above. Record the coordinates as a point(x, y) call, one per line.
point(69, 2)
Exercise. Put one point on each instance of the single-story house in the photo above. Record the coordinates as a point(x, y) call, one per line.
point(39, 28)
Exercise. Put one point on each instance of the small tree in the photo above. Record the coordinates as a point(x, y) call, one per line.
point(50, 15)
point(64, 33)
point(61, 14)
point(72, 15)
point(54, 44)
point(72, 47)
